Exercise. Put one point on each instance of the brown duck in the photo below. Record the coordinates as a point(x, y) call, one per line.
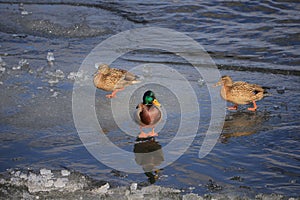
point(112, 79)
point(148, 114)
point(240, 92)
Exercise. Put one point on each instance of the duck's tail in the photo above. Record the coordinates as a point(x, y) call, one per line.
point(266, 91)
point(135, 81)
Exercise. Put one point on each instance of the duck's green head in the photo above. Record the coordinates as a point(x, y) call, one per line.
point(150, 99)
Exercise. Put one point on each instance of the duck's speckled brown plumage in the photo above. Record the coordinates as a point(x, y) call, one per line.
point(112, 79)
point(240, 92)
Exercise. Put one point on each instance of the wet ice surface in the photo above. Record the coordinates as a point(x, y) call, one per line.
point(256, 153)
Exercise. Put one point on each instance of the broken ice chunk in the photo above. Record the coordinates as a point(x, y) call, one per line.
point(50, 57)
point(45, 172)
point(23, 63)
point(24, 12)
point(103, 189)
point(65, 172)
point(280, 90)
point(60, 182)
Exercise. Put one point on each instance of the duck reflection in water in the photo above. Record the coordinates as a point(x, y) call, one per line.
point(243, 124)
point(149, 155)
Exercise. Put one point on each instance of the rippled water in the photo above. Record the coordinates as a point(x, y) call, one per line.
point(253, 41)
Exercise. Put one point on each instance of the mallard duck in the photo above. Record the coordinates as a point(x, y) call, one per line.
point(240, 92)
point(112, 79)
point(148, 114)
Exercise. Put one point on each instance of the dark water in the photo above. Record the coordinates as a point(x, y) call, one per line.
point(253, 41)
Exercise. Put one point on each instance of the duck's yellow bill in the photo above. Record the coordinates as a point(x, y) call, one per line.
point(156, 103)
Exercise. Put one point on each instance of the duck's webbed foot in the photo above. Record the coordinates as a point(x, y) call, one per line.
point(235, 107)
point(152, 133)
point(254, 107)
point(110, 96)
point(143, 135)
point(114, 93)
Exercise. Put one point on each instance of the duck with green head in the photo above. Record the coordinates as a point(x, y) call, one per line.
point(148, 114)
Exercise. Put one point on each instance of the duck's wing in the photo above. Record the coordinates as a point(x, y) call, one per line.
point(258, 92)
point(112, 79)
point(155, 114)
point(116, 74)
point(130, 77)
point(142, 116)
point(127, 79)
point(257, 89)
point(240, 87)
point(243, 87)
point(245, 92)
point(137, 116)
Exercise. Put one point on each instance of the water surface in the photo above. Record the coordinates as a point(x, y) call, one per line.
point(253, 41)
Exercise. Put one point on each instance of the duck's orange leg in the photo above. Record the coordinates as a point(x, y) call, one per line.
point(142, 135)
point(254, 106)
point(146, 135)
point(235, 107)
point(152, 133)
point(113, 94)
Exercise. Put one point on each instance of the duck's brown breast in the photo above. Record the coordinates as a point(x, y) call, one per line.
point(150, 115)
